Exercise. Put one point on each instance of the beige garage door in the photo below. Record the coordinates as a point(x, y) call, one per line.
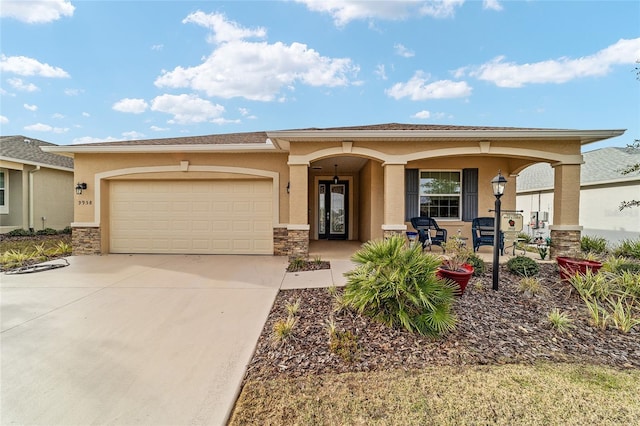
point(194, 217)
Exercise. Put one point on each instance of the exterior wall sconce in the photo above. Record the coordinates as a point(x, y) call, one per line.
point(335, 177)
point(288, 187)
point(80, 187)
point(498, 183)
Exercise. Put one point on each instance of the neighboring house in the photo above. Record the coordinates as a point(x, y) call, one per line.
point(272, 192)
point(36, 187)
point(602, 190)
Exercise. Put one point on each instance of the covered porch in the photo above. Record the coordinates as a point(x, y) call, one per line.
point(380, 179)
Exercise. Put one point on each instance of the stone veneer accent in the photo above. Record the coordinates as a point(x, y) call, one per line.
point(298, 244)
point(391, 233)
point(564, 243)
point(280, 241)
point(85, 241)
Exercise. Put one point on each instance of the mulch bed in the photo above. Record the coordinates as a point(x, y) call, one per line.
point(500, 327)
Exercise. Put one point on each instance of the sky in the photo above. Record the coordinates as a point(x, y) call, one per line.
point(90, 71)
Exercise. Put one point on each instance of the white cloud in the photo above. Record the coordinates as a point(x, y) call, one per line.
point(422, 115)
point(441, 8)
point(157, 47)
point(36, 11)
point(258, 71)
point(24, 66)
point(417, 89)
point(222, 29)
point(72, 92)
point(132, 135)
point(255, 70)
point(91, 139)
point(39, 127)
point(158, 129)
point(19, 84)
point(380, 72)
point(3, 119)
point(401, 50)
point(188, 109)
point(30, 107)
point(57, 116)
point(133, 106)
point(86, 114)
point(510, 74)
point(491, 5)
point(345, 11)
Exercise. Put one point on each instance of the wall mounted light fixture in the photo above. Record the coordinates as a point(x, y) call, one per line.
point(288, 187)
point(335, 177)
point(80, 187)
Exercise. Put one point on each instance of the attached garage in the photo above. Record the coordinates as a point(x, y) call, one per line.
point(191, 216)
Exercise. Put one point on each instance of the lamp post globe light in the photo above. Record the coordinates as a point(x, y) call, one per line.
point(498, 183)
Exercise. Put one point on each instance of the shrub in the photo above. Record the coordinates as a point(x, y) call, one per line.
point(542, 251)
point(523, 265)
point(47, 231)
point(19, 233)
point(342, 343)
point(66, 231)
point(628, 248)
point(283, 329)
point(530, 285)
point(560, 321)
point(398, 286)
point(610, 297)
point(593, 244)
point(297, 264)
point(479, 267)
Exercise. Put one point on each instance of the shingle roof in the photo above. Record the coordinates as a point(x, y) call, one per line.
point(27, 150)
point(229, 138)
point(261, 137)
point(600, 165)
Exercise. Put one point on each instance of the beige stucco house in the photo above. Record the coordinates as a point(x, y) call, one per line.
point(36, 187)
point(272, 192)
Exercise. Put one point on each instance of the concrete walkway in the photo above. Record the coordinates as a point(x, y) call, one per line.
point(118, 339)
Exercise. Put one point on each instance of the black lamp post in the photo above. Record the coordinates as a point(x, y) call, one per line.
point(498, 183)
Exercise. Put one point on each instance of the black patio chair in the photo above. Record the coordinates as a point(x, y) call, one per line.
point(482, 229)
point(429, 233)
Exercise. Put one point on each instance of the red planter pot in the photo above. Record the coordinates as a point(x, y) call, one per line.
point(460, 277)
point(570, 266)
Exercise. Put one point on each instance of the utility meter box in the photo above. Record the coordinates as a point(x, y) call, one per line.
point(534, 220)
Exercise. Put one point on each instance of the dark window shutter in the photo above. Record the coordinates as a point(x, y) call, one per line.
point(411, 198)
point(469, 194)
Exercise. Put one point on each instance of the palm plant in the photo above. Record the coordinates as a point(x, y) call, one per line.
point(398, 286)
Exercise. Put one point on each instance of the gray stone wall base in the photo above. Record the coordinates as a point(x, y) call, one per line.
point(565, 243)
point(280, 242)
point(86, 241)
point(298, 244)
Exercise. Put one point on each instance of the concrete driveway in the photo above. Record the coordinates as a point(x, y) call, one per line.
point(142, 339)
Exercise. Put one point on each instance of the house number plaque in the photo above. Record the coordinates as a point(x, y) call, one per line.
point(85, 202)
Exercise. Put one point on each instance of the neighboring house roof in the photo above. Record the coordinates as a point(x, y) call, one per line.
point(600, 166)
point(21, 149)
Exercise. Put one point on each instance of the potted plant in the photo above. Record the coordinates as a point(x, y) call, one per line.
point(570, 266)
point(455, 263)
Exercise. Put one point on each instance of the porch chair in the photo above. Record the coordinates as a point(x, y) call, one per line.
point(429, 233)
point(482, 229)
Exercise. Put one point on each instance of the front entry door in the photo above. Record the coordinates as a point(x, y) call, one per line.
point(333, 210)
